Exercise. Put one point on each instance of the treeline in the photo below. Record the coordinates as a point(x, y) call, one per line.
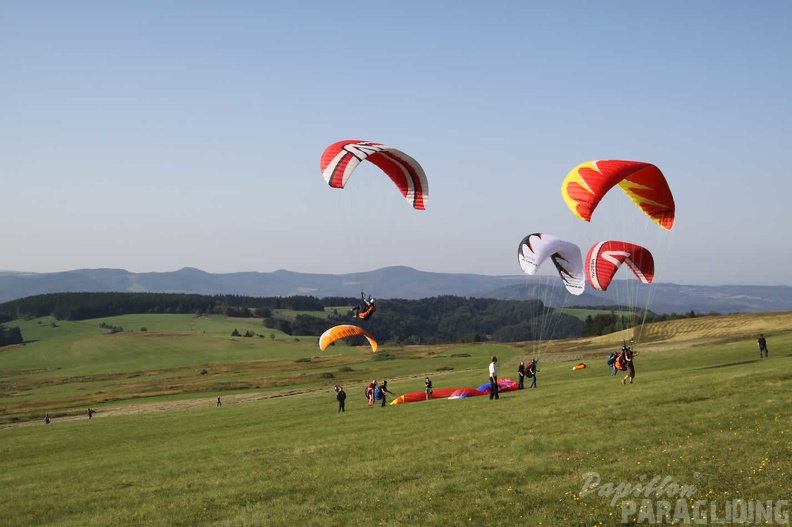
point(435, 320)
point(82, 306)
point(610, 322)
point(447, 319)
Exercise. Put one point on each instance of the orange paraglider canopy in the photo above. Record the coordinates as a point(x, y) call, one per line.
point(339, 332)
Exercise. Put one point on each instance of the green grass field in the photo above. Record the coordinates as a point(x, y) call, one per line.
point(709, 415)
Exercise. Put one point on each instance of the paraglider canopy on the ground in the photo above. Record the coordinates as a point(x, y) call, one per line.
point(340, 159)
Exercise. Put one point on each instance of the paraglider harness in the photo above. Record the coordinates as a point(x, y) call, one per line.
point(530, 370)
point(365, 315)
point(612, 358)
point(621, 358)
point(365, 309)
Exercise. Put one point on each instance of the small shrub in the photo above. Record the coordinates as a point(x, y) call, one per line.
point(345, 369)
point(303, 359)
point(204, 372)
point(460, 354)
point(383, 356)
point(326, 375)
point(445, 368)
point(144, 328)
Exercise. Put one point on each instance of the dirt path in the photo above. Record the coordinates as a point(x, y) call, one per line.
point(166, 406)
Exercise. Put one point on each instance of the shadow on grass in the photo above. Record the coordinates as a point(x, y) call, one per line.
point(728, 364)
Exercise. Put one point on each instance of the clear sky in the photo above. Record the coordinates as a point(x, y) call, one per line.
point(151, 136)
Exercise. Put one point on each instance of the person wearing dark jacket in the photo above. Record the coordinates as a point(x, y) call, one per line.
point(341, 398)
point(762, 346)
point(628, 360)
point(531, 372)
point(380, 391)
point(521, 375)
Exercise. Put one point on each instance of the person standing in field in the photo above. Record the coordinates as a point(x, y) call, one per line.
point(493, 376)
point(46, 419)
point(612, 361)
point(628, 362)
point(341, 398)
point(531, 372)
point(90, 413)
point(370, 392)
point(219, 403)
point(428, 388)
point(762, 343)
point(521, 376)
point(380, 392)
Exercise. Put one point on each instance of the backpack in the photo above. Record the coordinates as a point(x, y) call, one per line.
point(612, 358)
point(378, 393)
point(530, 369)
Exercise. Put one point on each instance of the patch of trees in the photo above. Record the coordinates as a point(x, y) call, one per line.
point(9, 336)
point(113, 329)
point(248, 333)
point(611, 322)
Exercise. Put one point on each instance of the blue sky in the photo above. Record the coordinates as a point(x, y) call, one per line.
point(151, 136)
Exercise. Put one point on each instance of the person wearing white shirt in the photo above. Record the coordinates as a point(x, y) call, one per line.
point(493, 375)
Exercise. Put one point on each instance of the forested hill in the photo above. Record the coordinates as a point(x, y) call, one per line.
point(442, 319)
point(400, 282)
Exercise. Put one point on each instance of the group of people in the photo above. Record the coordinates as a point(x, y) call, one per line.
point(524, 371)
point(374, 392)
point(47, 419)
point(623, 360)
point(619, 360)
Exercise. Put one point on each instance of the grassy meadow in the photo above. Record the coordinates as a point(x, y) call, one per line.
point(704, 411)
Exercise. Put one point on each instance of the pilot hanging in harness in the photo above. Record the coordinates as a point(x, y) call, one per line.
point(365, 309)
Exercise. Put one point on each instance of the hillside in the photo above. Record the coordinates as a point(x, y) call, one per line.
point(398, 282)
point(680, 334)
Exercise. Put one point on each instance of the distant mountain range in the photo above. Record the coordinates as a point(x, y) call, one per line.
point(402, 282)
